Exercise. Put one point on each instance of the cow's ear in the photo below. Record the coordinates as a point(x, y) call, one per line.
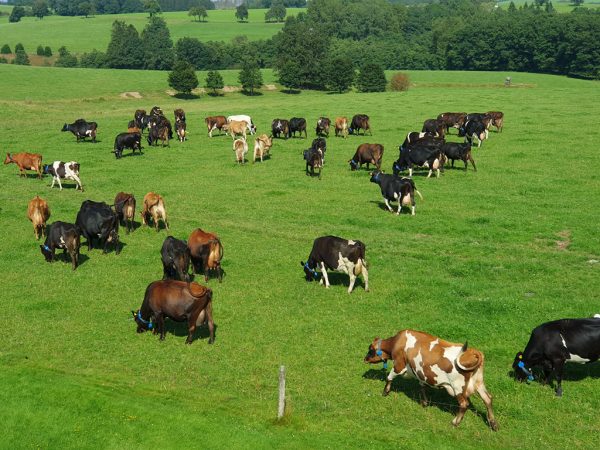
point(302, 263)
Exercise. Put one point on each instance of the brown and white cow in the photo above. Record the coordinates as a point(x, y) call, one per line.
point(215, 123)
point(154, 206)
point(435, 363)
point(38, 212)
point(236, 128)
point(240, 147)
point(206, 251)
point(262, 145)
point(26, 161)
point(125, 209)
point(497, 119)
point(341, 127)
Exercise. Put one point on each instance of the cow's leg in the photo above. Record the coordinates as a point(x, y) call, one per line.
point(398, 369)
point(160, 324)
point(324, 274)
point(487, 399)
point(211, 324)
point(430, 172)
point(352, 279)
point(463, 404)
point(365, 275)
point(558, 365)
point(78, 181)
point(387, 203)
point(192, 327)
point(53, 181)
point(437, 175)
point(423, 395)
point(410, 172)
point(472, 162)
point(399, 203)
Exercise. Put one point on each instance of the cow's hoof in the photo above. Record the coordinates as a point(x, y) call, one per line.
point(559, 392)
point(211, 341)
point(385, 393)
point(494, 425)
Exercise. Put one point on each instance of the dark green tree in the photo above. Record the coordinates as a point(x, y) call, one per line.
point(47, 51)
point(21, 57)
point(276, 12)
point(511, 7)
point(371, 78)
point(577, 2)
point(250, 77)
point(152, 7)
point(125, 49)
point(5, 50)
point(93, 60)
point(40, 50)
point(549, 8)
point(65, 59)
point(157, 45)
point(16, 14)
point(199, 12)
point(183, 78)
point(340, 74)
point(241, 12)
point(214, 81)
point(40, 9)
point(86, 9)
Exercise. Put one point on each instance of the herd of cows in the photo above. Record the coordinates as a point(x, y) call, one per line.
point(434, 362)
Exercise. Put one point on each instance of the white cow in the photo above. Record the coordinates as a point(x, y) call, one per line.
point(243, 118)
point(66, 171)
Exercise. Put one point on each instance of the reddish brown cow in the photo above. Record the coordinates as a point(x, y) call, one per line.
point(497, 119)
point(436, 363)
point(26, 161)
point(215, 123)
point(179, 301)
point(455, 120)
point(38, 212)
point(154, 206)
point(369, 154)
point(125, 209)
point(207, 252)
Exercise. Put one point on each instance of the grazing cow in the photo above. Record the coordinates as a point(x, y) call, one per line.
point(434, 127)
point(175, 256)
point(179, 115)
point(397, 189)
point(262, 145)
point(552, 344)
point(473, 129)
point(340, 255)
point(414, 136)
point(360, 122)
point(455, 150)
point(180, 129)
point(62, 235)
point(82, 129)
point(367, 154)
point(66, 171)
point(497, 119)
point(98, 220)
point(26, 161)
point(38, 212)
point(215, 123)
point(237, 128)
point(297, 124)
point(179, 301)
point(320, 143)
point(420, 155)
point(314, 160)
point(127, 140)
point(453, 120)
point(280, 127)
point(341, 127)
point(323, 125)
point(154, 207)
point(156, 111)
point(435, 363)
point(207, 252)
point(125, 209)
point(240, 147)
point(243, 118)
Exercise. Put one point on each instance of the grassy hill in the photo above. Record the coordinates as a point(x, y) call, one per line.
point(488, 256)
point(81, 35)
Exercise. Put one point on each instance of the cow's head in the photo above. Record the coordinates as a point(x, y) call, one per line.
point(353, 164)
point(142, 325)
point(65, 127)
point(309, 272)
point(8, 159)
point(46, 252)
point(375, 354)
point(461, 131)
point(521, 371)
point(376, 176)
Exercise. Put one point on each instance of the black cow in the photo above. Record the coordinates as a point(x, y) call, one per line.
point(341, 255)
point(175, 256)
point(320, 143)
point(473, 129)
point(456, 150)
point(434, 127)
point(360, 122)
point(82, 129)
point(127, 140)
point(297, 124)
point(421, 155)
point(323, 125)
point(62, 235)
point(554, 343)
point(141, 119)
point(280, 127)
point(397, 189)
point(97, 220)
point(314, 160)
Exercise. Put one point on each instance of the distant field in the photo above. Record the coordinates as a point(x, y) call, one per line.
point(561, 6)
point(81, 35)
point(488, 256)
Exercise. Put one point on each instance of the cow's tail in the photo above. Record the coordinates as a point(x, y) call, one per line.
point(469, 359)
point(216, 253)
point(419, 194)
point(360, 264)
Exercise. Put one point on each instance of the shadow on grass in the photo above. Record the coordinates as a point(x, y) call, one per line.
point(341, 279)
point(98, 248)
point(64, 257)
point(251, 94)
point(215, 94)
point(183, 96)
point(291, 91)
point(180, 329)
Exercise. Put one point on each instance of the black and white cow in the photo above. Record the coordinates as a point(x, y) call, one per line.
point(297, 124)
point(414, 136)
point(82, 129)
point(420, 155)
point(175, 256)
point(62, 235)
point(127, 140)
point(97, 220)
point(394, 188)
point(279, 128)
point(456, 150)
point(323, 125)
point(473, 129)
point(314, 160)
point(552, 344)
point(66, 171)
point(341, 255)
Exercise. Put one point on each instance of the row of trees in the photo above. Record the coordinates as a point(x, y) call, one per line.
point(184, 80)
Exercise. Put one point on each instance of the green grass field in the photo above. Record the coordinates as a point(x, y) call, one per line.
point(81, 35)
point(488, 256)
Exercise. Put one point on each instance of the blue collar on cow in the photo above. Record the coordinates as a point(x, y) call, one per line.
point(376, 176)
point(313, 271)
point(145, 322)
point(379, 353)
point(521, 365)
point(354, 163)
point(47, 248)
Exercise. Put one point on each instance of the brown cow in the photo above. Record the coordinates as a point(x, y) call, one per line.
point(436, 363)
point(435, 127)
point(180, 129)
point(262, 145)
point(179, 115)
point(235, 128)
point(38, 212)
point(497, 119)
point(154, 206)
point(207, 252)
point(125, 209)
point(453, 120)
point(341, 127)
point(240, 147)
point(215, 123)
point(179, 301)
point(369, 154)
point(26, 161)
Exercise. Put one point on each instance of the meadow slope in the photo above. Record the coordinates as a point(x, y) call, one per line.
point(488, 256)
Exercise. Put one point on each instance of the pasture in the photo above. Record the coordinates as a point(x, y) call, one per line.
point(80, 34)
point(488, 256)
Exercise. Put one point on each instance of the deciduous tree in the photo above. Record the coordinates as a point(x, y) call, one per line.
point(241, 12)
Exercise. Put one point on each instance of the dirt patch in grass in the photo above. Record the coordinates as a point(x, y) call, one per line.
point(564, 241)
point(131, 94)
point(270, 87)
point(231, 89)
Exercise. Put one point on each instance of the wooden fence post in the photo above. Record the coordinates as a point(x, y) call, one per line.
point(281, 408)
